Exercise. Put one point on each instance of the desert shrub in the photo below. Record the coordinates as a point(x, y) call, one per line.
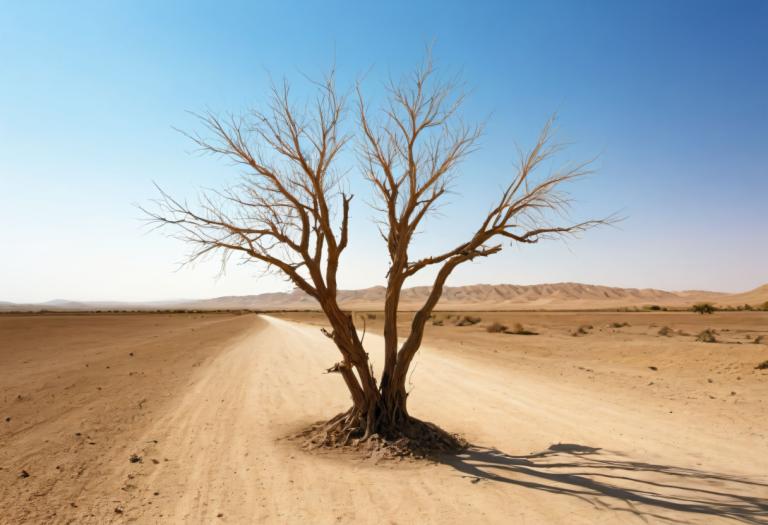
point(707, 336)
point(496, 328)
point(437, 322)
point(666, 331)
point(371, 316)
point(760, 339)
point(764, 306)
point(654, 307)
point(468, 320)
point(618, 325)
point(703, 308)
point(762, 366)
point(519, 329)
point(582, 330)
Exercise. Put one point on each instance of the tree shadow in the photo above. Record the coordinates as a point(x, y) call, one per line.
point(607, 481)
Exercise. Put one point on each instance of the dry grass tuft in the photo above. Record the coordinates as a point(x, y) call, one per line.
point(519, 329)
point(707, 336)
point(582, 330)
point(468, 320)
point(496, 328)
point(666, 331)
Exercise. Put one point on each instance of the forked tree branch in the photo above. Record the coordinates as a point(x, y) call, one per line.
point(411, 157)
point(284, 211)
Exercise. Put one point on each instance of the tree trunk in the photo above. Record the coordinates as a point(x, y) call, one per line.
point(376, 410)
point(379, 414)
point(378, 418)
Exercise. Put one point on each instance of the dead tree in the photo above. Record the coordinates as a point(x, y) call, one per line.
point(290, 213)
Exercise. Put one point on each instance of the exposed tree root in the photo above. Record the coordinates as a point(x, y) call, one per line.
point(411, 439)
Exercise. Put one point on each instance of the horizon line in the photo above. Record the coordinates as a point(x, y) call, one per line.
point(190, 299)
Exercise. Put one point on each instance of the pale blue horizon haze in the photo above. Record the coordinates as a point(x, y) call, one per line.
point(671, 95)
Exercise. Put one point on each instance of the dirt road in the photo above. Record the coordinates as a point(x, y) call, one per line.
point(202, 444)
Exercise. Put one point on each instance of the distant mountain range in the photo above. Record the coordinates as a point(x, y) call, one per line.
point(558, 296)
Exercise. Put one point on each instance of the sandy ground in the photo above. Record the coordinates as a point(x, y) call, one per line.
point(565, 429)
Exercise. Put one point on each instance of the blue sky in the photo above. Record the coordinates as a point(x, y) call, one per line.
point(673, 95)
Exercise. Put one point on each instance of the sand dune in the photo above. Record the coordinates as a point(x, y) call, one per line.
point(557, 296)
point(565, 296)
point(757, 296)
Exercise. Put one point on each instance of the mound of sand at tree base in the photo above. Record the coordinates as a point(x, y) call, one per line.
point(180, 419)
point(560, 296)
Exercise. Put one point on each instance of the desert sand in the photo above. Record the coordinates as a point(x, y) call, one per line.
point(183, 418)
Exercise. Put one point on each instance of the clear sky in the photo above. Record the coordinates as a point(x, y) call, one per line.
point(672, 94)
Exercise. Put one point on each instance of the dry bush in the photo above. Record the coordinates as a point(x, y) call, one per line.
point(582, 330)
point(371, 316)
point(618, 325)
point(666, 331)
point(496, 328)
point(468, 320)
point(760, 339)
point(762, 366)
point(707, 336)
point(437, 322)
point(519, 329)
point(703, 308)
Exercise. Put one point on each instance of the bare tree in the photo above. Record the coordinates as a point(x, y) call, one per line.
point(290, 213)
